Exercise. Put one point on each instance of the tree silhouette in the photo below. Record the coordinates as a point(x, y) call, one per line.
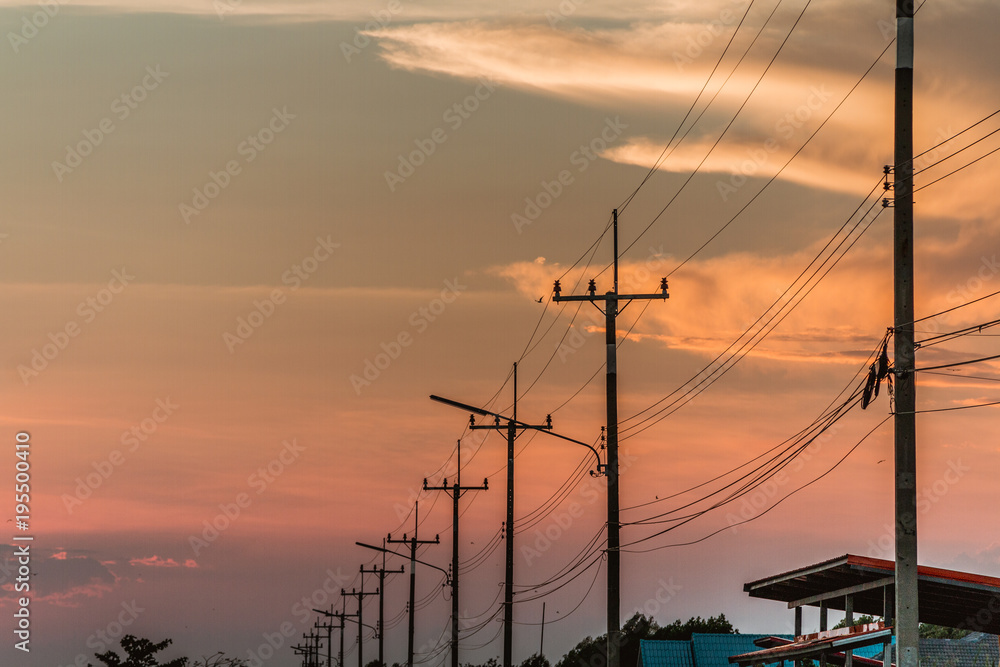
point(140, 653)
point(592, 652)
point(536, 660)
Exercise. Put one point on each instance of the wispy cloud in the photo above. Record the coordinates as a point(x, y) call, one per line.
point(366, 10)
point(740, 160)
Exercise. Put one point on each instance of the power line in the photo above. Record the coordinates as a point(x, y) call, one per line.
point(563, 617)
point(958, 333)
point(956, 363)
point(664, 154)
point(964, 377)
point(952, 173)
point(807, 484)
point(957, 407)
point(759, 335)
point(724, 131)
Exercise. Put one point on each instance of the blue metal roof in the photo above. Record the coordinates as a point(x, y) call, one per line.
point(704, 650)
point(713, 650)
point(665, 653)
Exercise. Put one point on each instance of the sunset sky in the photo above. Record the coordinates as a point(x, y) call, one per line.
point(243, 242)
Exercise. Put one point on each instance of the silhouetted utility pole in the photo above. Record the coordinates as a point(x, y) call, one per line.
point(310, 650)
point(340, 616)
point(541, 640)
point(299, 649)
point(360, 595)
point(329, 627)
point(907, 621)
point(512, 425)
point(508, 597)
point(455, 491)
point(413, 542)
point(303, 650)
point(611, 310)
point(381, 572)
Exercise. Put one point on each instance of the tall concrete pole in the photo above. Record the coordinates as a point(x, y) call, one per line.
point(907, 621)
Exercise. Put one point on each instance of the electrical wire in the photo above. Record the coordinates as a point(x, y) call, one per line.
point(750, 343)
point(952, 173)
point(757, 516)
point(663, 154)
point(578, 605)
point(958, 333)
point(963, 377)
point(721, 136)
point(833, 411)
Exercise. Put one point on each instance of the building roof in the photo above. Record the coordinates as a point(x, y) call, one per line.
point(665, 653)
point(975, 650)
point(713, 650)
point(703, 650)
point(831, 643)
point(946, 597)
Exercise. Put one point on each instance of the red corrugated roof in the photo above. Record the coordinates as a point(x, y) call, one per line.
point(946, 597)
point(940, 573)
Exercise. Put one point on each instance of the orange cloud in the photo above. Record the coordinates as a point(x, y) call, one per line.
point(157, 561)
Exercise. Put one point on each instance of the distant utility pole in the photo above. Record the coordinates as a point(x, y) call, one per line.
point(413, 542)
point(310, 650)
point(455, 491)
point(512, 425)
point(381, 572)
point(508, 599)
point(360, 595)
point(611, 310)
point(907, 617)
point(329, 627)
point(541, 641)
point(304, 651)
point(313, 639)
point(341, 616)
